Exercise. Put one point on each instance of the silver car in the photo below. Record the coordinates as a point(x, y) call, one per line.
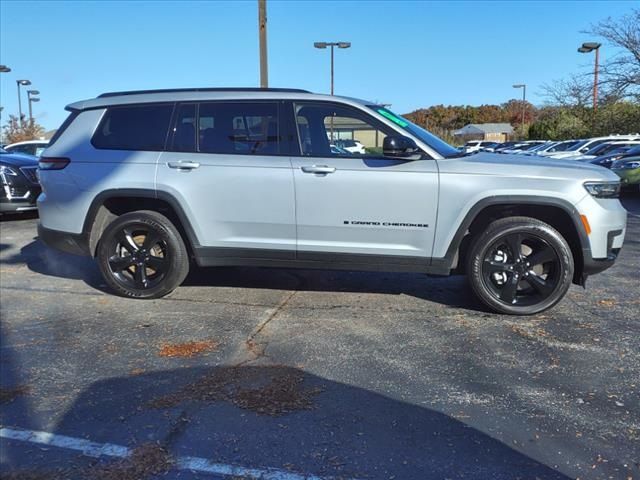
point(147, 181)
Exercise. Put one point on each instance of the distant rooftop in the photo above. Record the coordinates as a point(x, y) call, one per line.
point(479, 128)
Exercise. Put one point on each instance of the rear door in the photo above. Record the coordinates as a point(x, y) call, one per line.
point(358, 203)
point(229, 169)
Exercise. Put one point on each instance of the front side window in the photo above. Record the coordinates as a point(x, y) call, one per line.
point(327, 130)
point(134, 127)
point(238, 128)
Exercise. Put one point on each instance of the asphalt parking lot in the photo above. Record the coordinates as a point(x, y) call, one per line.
point(289, 374)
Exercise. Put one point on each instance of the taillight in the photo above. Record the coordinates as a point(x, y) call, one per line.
point(53, 163)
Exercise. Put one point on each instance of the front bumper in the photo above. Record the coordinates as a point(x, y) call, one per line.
point(74, 243)
point(18, 199)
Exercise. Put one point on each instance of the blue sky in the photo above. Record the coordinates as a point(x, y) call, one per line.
point(410, 54)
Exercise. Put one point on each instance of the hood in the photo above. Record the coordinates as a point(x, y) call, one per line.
point(486, 163)
point(18, 160)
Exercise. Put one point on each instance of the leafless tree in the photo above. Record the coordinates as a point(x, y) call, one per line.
point(575, 91)
point(621, 73)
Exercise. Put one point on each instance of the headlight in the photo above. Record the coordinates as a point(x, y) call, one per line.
point(603, 189)
point(6, 171)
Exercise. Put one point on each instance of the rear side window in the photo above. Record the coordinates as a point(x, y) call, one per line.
point(238, 128)
point(139, 127)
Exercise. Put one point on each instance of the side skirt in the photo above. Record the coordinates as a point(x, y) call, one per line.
point(222, 256)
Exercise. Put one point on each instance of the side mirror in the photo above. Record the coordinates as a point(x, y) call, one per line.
point(400, 147)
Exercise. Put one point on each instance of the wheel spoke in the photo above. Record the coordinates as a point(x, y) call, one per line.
point(150, 239)
point(141, 276)
point(508, 292)
point(542, 286)
point(514, 242)
point(159, 264)
point(125, 239)
point(118, 263)
point(544, 255)
point(491, 266)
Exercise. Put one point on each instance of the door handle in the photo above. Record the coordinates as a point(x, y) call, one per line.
point(183, 166)
point(318, 169)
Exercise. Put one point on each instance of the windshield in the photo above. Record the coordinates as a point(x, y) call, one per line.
point(440, 146)
point(576, 146)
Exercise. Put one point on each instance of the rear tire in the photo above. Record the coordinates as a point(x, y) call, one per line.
point(520, 266)
point(142, 255)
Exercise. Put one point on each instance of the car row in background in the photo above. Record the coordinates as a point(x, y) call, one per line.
point(620, 153)
point(30, 147)
point(19, 185)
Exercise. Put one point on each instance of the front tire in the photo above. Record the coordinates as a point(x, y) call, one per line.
point(142, 255)
point(520, 266)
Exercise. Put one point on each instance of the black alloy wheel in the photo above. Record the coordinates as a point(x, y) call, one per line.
point(142, 255)
point(520, 265)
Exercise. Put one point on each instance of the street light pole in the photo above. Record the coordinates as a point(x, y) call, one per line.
point(332, 45)
point(589, 47)
point(19, 83)
point(262, 28)
point(31, 98)
point(524, 105)
point(3, 69)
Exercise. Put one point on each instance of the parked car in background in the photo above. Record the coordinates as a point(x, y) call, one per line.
point(523, 146)
point(30, 147)
point(582, 147)
point(556, 147)
point(606, 148)
point(351, 146)
point(477, 145)
point(18, 182)
point(607, 160)
point(628, 169)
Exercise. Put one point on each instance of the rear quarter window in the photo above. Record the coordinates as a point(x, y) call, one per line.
point(134, 127)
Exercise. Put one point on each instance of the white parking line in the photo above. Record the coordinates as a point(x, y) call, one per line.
point(195, 464)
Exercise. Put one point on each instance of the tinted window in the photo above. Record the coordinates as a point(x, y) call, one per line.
point(238, 128)
point(184, 131)
point(141, 127)
point(327, 130)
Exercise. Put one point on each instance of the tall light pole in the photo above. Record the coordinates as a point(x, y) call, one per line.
point(589, 47)
point(23, 83)
point(30, 96)
point(262, 34)
point(524, 105)
point(3, 69)
point(332, 44)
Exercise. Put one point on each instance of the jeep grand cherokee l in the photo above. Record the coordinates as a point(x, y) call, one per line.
point(147, 181)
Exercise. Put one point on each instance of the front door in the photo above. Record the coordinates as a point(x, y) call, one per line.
point(350, 199)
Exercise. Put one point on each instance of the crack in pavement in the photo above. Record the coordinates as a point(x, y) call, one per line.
point(258, 349)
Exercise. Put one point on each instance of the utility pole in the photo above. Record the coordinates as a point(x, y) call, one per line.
point(262, 27)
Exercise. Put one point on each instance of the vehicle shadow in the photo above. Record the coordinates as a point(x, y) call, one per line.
point(449, 291)
point(278, 417)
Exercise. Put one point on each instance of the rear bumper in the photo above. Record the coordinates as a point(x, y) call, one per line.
point(74, 243)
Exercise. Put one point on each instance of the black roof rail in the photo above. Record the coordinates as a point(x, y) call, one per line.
point(222, 89)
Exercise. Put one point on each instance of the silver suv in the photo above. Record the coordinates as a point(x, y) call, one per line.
point(146, 181)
